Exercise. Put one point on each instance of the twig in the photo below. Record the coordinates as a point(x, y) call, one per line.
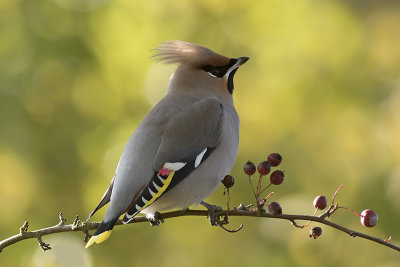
point(232, 231)
point(85, 227)
point(262, 191)
point(62, 219)
point(43, 245)
point(333, 207)
point(252, 187)
point(259, 187)
point(24, 228)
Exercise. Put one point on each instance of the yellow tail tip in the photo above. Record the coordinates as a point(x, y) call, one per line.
point(91, 241)
point(98, 238)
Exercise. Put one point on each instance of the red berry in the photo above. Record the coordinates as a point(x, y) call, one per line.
point(228, 181)
point(277, 177)
point(275, 159)
point(315, 232)
point(320, 202)
point(249, 168)
point(274, 209)
point(264, 168)
point(369, 218)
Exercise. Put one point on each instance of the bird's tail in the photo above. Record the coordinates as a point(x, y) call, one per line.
point(102, 232)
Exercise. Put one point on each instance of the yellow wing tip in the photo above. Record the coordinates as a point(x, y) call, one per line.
point(98, 238)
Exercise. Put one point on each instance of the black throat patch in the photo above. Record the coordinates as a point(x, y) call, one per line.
point(230, 80)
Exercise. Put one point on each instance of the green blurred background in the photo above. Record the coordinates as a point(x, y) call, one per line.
point(322, 88)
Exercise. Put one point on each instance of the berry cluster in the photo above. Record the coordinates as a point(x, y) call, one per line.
point(369, 218)
point(276, 178)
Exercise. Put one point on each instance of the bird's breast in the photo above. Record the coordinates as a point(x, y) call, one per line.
point(207, 177)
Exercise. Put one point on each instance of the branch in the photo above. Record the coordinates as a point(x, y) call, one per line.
point(84, 227)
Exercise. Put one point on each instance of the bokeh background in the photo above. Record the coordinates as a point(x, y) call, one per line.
point(322, 88)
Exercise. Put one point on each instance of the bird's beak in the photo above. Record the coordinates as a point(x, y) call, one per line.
point(238, 62)
point(241, 61)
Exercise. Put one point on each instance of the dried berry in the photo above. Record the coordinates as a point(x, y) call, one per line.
point(320, 202)
point(369, 218)
point(277, 177)
point(264, 168)
point(315, 232)
point(228, 181)
point(274, 209)
point(249, 168)
point(275, 159)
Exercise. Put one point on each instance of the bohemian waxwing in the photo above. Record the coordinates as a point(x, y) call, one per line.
point(184, 146)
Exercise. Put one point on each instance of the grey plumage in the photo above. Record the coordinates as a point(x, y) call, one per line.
point(197, 113)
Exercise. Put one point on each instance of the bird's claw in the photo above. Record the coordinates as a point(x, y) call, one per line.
point(156, 219)
point(212, 209)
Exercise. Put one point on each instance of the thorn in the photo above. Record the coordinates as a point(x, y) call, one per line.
point(62, 219)
point(75, 223)
point(243, 207)
point(43, 245)
point(24, 227)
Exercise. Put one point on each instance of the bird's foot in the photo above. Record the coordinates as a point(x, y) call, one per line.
point(212, 209)
point(155, 219)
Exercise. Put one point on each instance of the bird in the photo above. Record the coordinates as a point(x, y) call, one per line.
point(184, 146)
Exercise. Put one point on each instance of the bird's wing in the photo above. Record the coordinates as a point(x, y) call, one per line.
point(189, 137)
point(104, 200)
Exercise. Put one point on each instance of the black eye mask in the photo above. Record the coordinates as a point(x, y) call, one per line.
point(219, 71)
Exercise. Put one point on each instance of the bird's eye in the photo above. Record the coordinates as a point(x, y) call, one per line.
point(215, 71)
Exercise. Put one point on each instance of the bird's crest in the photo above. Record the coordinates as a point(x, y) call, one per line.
point(188, 53)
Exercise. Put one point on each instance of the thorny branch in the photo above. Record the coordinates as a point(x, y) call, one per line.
point(78, 226)
point(220, 217)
